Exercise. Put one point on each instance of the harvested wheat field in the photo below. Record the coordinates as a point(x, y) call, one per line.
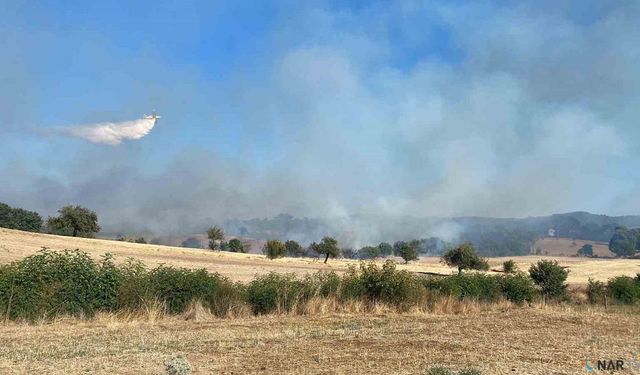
point(531, 340)
point(569, 247)
point(15, 245)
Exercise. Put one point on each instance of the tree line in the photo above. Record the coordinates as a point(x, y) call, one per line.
point(76, 221)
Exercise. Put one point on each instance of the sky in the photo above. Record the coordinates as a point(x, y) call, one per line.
point(321, 108)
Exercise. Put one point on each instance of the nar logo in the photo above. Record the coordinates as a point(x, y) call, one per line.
point(629, 365)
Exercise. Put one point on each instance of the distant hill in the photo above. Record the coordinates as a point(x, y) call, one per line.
point(492, 236)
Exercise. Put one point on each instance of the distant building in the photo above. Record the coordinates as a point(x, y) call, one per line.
point(551, 232)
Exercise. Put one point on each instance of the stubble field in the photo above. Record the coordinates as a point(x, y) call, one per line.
point(497, 338)
point(15, 245)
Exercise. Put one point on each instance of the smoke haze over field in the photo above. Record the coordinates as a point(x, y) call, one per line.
point(110, 133)
point(390, 109)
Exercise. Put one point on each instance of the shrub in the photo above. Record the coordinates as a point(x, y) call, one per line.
point(466, 286)
point(57, 283)
point(322, 284)
point(550, 277)
point(438, 370)
point(509, 266)
point(595, 291)
point(177, 366)
point(624, 290)
point(275, 292)
point(386, 284)
point(236, 246)
point(517, 288)
point(478, 287)
point(444, 286)
point(274, 249)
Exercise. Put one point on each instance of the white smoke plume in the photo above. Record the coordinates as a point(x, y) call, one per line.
point(111, 133)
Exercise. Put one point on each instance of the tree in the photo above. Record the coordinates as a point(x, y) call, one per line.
point(328, 247)
point(369, 252)
point(75, 221)
point(216, 236)
point(408, 250)
point(464, 257)
point(550, 277)
point(385, 249)
point(236, 246)
point(17, 218)
point(274, 249)
point(624, 242)
point(586, 250)
point(397, 246)
point(294, 249)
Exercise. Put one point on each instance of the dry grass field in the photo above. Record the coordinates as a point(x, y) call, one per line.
point(497, 340)
point(16, 245)
point(569, 247)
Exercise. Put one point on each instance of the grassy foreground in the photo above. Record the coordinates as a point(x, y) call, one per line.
point(496, 339)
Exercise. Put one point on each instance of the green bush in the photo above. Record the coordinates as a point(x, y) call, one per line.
point(517, 288)
point(383, 284)
point(439, 370)
point(444, 286)
point(550, 277)
point(274, 249)
point(51, 283)
point(275, 292)
point(509, 266)
point(465, 286)
point(596, 291)
point(624, 290)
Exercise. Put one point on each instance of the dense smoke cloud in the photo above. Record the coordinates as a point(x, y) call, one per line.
point(532, 110)
point(110, 133)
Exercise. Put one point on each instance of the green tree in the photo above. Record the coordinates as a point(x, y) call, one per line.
point(236, 246)
point(17, 218)
point(328, 247)
point(586, 250)
point(624, 242)
point(550, 277)
point(294, 249)
point(75, 221)
point(274, 249)
point(216, 236)
point(369, 252)
point(464, 257)
point(385, 249)
point(408, 250)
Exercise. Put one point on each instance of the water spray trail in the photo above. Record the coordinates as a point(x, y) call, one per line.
point(111, 133)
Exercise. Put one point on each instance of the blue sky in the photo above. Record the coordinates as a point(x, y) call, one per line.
point(322, 108)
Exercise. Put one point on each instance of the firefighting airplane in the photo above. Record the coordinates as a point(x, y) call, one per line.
point(153, 116)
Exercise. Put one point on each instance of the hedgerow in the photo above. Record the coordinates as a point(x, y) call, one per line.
point(50, 284)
